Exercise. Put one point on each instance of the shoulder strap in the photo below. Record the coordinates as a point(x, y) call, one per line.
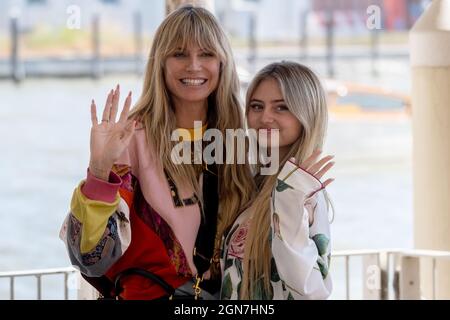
point(110, 290)
point(204, 244)
point(146, 274)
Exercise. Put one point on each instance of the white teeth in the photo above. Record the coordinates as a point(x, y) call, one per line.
point(193, 82)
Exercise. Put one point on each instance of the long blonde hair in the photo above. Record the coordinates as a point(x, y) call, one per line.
point(306, 100)
point(183, 26)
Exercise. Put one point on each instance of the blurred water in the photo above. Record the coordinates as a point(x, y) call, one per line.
point(44, 125)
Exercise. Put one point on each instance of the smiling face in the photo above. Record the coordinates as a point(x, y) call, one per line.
point(267, 112)
point(191, 74)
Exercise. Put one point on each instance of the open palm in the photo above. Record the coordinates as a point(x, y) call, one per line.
point(109, 138)
point(317, 167)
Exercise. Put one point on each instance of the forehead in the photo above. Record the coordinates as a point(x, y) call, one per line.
point(190, 46)
point(267, 90)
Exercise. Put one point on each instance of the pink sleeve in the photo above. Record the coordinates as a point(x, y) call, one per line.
point(100, 190)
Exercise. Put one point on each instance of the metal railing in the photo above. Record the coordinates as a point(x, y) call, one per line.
point(398, 268)
point(38, 274)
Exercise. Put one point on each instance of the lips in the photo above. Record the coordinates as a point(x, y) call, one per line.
point(195, 82)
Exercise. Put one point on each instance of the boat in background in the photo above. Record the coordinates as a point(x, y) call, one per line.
point(354, 100)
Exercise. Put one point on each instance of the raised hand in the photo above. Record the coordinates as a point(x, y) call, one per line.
point(316, 167)
point(109, 138)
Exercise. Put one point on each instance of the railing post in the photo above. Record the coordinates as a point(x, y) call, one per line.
point(39, 286)
point(396, 276)
point(433, 279)
point(85, 290)
point(409, 279)
point(384, 268)
point(347, 277)
point(11, 288)
point(66, 286)
point(371, 277)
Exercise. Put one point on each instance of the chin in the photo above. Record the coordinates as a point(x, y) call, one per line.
point(264, 143)
point(194, 99)
point(194, 96)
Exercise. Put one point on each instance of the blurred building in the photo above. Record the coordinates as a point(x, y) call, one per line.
point(282, 19)
point(278, 20)
point(53, 13)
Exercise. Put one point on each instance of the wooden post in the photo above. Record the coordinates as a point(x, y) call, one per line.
point(374, 50)
point(330, 41)
point(17, 73)
point(375, 43)
point(171, 5)
point(252, 45)
point(304, 13)
point(137, 19)
point(430, 63)
point(95, 62)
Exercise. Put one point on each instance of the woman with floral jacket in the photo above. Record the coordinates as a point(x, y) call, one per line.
point(279, 247)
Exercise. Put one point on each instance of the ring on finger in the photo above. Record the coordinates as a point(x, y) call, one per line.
point(105, 120)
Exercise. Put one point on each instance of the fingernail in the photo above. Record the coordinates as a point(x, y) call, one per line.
point(92, 101)
point(129, 94)
point(292, 159)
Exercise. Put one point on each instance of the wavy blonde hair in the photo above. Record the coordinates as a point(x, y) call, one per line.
point(186, 25)
point(306, 100)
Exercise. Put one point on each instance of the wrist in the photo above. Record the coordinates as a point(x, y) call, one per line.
point(100, 171)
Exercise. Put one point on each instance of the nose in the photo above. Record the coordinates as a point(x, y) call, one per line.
point(267, 116)
point(194, 63)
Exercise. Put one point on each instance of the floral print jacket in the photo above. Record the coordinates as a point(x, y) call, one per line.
point(300, 241)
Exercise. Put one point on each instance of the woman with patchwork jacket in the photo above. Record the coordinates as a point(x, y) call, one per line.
point(137, 209)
